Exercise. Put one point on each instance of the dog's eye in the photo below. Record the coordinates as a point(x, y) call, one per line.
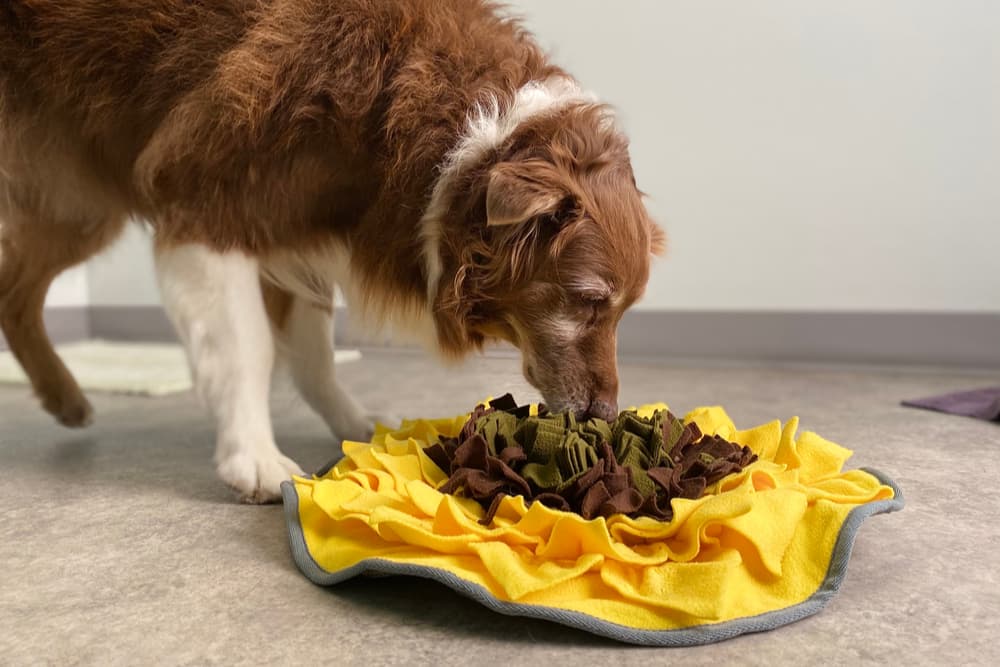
point(593, 299)
point(593, 303)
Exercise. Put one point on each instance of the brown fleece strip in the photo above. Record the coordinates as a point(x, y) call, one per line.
point(633, 465)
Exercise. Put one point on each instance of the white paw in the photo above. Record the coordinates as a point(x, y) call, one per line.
point(388, 420)
point(257, 477)
point(360, 429)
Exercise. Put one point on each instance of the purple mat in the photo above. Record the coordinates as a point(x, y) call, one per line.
point(978, 403)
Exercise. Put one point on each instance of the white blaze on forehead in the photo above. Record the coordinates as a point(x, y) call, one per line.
point(486, 129)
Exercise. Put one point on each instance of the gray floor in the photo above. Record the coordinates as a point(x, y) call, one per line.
point(118, 546)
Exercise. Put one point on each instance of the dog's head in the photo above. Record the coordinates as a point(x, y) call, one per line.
point(562, 248)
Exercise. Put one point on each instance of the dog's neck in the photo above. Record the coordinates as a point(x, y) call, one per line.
point(488, 127)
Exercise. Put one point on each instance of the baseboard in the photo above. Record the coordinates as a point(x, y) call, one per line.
point(970, 340)
point(137, 323)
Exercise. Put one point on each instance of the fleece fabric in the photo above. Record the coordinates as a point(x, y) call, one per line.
point(758, 549)
point(634, 465)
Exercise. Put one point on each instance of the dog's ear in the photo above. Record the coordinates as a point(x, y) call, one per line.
point(520, 191)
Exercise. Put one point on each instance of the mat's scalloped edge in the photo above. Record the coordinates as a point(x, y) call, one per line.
point(691, 636)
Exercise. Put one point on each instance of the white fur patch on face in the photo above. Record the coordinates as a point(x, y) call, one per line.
point(486, 129)
point(563, 329)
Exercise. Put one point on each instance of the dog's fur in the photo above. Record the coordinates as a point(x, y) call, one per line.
point(422, 154)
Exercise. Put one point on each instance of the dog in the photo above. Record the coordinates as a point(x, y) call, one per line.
point(423, 155)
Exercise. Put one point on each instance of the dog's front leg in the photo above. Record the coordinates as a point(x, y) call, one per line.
point(214, 300)
point(308, 337)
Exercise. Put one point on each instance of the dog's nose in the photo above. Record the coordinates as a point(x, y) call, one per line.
point(603, 409)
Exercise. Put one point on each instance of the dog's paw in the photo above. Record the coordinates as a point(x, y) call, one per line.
point(358, 430)
point(70, 408)
point(257, 477)
point(388, 420)
point(362, 428)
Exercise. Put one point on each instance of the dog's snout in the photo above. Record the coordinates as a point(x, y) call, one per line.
point(603, 409)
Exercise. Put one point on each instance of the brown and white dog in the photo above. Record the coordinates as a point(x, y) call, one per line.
point(423, 155)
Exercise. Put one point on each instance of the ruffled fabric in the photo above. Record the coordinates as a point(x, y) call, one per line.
point(633, 466)
point(757, 541)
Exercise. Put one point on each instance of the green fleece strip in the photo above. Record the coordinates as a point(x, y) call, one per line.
point(634, 465)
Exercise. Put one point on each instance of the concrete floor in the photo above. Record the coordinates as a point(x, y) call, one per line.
point(118, 546)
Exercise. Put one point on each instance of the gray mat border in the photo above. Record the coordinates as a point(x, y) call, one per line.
point(693, 636)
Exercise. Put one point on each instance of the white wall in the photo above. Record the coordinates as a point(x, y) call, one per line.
point(829, 154)
point(123, 275)
point(820, 155)
point(69, 290)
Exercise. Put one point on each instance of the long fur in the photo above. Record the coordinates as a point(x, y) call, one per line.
point(423, 155)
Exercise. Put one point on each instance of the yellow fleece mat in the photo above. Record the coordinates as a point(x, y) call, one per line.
point(761, 548)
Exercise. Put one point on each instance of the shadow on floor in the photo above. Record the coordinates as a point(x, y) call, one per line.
point(414, 602)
